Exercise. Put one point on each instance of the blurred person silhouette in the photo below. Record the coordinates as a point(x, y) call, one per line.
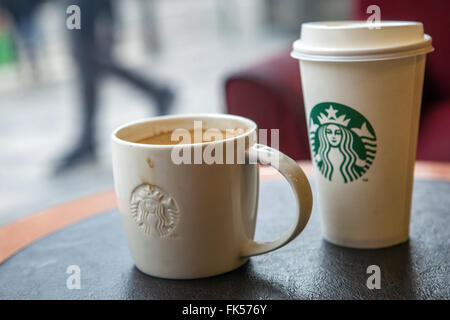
point(23, 18)
point(92, 48)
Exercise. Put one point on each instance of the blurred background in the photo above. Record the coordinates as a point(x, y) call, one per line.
point(62, 92)
point(190, 45)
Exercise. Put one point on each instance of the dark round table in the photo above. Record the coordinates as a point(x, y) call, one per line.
point(39, 253)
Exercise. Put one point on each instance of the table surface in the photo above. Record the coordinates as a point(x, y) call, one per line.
point(307, 268)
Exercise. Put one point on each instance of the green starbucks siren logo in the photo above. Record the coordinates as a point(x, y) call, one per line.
point(343, 142)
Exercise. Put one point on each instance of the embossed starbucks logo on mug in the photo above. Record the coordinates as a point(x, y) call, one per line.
point(343, 142)
point(155, 212)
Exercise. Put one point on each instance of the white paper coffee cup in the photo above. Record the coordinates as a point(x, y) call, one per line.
point(362, 89)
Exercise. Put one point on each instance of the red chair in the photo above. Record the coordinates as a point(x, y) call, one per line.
point(270, 92)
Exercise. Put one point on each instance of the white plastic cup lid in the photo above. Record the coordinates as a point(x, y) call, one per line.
point(360, 41)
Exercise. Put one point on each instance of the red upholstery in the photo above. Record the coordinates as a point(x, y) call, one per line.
point(270, 92)
point(434, 132)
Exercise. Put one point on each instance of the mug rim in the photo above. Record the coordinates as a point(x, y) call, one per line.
point(251, 125)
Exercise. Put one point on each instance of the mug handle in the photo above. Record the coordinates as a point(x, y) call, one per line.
point(302, 190)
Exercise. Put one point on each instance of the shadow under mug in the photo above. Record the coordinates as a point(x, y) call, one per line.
point(185, 221)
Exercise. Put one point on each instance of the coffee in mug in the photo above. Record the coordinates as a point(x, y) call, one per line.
point(193, 136)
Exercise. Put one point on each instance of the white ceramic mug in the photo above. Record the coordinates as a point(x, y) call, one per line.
point(195, 220)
